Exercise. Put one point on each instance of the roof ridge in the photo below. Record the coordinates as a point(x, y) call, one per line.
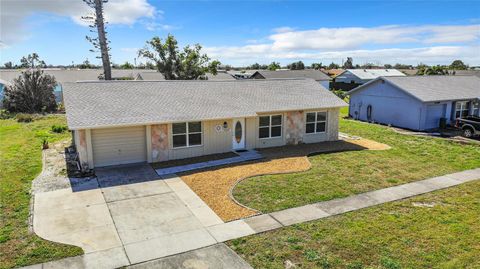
point(189, 81)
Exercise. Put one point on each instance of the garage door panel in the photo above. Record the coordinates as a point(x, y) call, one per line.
point(115, 146)
point(434, 113)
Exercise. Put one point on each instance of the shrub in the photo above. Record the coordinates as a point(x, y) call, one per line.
point(4, 114)
point(31, 92)
point(21, 117)
point(59, 128)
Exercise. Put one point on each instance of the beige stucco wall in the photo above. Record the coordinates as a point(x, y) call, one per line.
point(293, 131)
point(218, 140)
point(214, 141)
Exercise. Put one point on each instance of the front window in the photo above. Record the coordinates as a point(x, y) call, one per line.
point(270, 126)
point(187, 134)
point(476, 108)
point(462, 109)
point(316, 122)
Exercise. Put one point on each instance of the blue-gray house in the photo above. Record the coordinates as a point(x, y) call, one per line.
point(417, 102)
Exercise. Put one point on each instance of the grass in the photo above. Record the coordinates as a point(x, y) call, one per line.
point(20, 162)
point(342, 174)
point(444, 234)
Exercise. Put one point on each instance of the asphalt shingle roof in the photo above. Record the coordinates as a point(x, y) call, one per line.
point(435, 88)
point(73, 75)
point(374, 73)
point(439, 88)
point(307, 73)
point(117, 103)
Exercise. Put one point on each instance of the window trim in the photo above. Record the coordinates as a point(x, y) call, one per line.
point(316, 121)
point(464, 106)
point(475, 106)
point(270, 127)
point(187, 135)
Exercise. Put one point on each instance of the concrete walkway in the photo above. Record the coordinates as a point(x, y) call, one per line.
point(244, 156)
point(144, 237)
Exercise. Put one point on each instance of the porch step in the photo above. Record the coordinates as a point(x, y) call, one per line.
point(248, 155)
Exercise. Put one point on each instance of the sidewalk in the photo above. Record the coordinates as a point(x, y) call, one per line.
point(231, 230)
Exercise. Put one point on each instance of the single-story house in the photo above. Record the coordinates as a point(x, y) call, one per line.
point(316, 75)
point(73, 75)
point(465, 72)
point(361, 76)
point(221, 75)
point(332, 72)
point(416, 102)
point(149, 75)
point(120, 122)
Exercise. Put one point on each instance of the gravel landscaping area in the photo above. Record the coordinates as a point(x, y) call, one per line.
point(214, 186)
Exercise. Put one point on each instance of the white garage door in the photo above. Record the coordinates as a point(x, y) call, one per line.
point(119, 146)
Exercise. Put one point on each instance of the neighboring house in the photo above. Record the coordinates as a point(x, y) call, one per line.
point(121, 122)
point(332, 72)
point(416, 102)
point(241, 75)
point(3, 83)
point(149, 75)
point(73, 75)
point(352, 78)
point(409, 72)
point(219, 76)
point(465, 72)
point(316, 75)
point(361, 76)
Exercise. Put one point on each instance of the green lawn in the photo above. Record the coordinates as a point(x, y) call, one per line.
point(346, 173)
point(393, 235)
point(20, 162)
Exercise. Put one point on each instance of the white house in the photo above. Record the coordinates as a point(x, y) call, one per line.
point(361, 76)
point(119, 122)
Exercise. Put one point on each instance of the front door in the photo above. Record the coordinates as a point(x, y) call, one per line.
point(238, 141)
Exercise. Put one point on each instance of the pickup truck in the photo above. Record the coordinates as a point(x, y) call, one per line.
point(470, 126)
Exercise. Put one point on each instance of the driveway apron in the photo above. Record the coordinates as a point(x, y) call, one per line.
point(134, 210)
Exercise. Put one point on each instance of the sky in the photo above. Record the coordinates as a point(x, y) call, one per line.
point(241, 33)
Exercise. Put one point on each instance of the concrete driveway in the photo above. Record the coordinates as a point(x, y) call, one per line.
point(132, 216)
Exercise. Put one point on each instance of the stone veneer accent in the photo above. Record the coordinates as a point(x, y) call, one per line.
point(159, 143)
point(294, 127)
point(82, 149)
point(333, 120)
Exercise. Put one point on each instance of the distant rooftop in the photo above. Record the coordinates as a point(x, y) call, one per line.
point(73, 75)
point(306, 73)
point(374, 73)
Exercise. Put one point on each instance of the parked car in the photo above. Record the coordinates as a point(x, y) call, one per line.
point(470, 126)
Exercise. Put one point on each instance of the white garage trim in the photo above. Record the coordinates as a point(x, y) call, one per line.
point(114, 146)
point(88, 135)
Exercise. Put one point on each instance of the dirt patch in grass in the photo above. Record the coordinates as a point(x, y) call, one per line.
point(214, 186)
point(201, 159)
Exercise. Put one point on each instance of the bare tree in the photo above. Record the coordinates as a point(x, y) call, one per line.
point(100, 42)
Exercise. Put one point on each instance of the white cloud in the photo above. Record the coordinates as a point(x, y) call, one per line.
point(354, 37)
point(154, 26)
point(14, 12)
point(391, 43)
